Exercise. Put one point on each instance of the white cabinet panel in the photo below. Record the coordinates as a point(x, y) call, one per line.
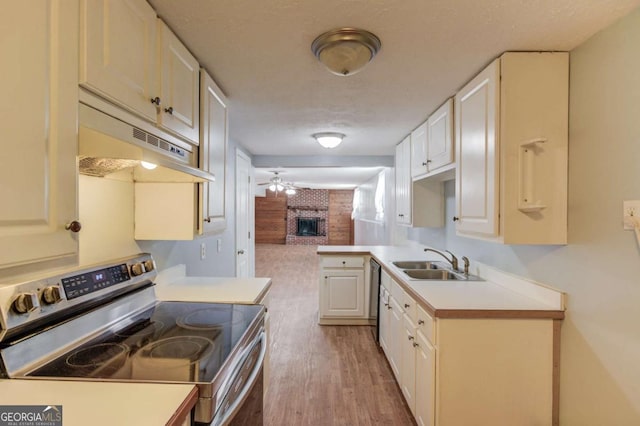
point(213, 154)
point(396, 333)
point(439, 137)
point(425, 368)
point(343, 294)
point(403, 182)
point(118, 53)
point(39, 88)
point(408, 351)
point(179, 77)
point(477, 148)
point(419, 155)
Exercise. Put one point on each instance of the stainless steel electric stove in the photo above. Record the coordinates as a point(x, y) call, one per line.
point(105, 323)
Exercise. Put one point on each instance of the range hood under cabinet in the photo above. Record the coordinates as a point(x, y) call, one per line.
point(108, 145)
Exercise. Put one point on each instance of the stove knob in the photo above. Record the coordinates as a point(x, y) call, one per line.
point(137, 269)
point(25, 303)
point(51, 295)
point(148, 265)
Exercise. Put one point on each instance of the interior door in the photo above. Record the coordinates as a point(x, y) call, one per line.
point(243, 215)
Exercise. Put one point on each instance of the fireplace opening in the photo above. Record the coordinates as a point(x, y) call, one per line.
point(308, 226)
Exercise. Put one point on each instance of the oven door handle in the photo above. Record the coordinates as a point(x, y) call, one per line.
point(230, 412)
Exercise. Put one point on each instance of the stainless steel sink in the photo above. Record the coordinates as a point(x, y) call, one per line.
point(438, 275)
point(419, 264)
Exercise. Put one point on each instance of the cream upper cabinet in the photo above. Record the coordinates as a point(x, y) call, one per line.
point(179, 85)
point(432, 143)
point(419, 151)
point(118, 53)
point(512, 150)
point(213, 153)
point(477, 109)
point(40, 92)
point(419, 203)
point(403, 182)
point(440, 137)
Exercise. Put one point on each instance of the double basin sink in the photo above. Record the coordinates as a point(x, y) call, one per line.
point(432, 270)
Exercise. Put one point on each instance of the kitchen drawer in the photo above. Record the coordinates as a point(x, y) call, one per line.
point(409, 305)
point(426, 324)
point(343, 262)
point(385, 280)
point(397, 292)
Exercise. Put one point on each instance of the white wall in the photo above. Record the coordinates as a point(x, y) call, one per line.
point(600, 267)
point(367, 229)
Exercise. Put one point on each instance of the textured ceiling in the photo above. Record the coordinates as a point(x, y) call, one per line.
point(259, 54)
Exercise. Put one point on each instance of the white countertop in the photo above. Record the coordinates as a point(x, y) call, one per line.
point(499, 294)
point(102, 403)
point(172, 284)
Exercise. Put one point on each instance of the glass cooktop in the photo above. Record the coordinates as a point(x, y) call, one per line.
point(172, 341)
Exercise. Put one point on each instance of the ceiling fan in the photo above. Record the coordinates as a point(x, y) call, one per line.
point(276, 184)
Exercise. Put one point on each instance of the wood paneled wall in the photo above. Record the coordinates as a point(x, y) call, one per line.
point(340, 222)
point(271, 219)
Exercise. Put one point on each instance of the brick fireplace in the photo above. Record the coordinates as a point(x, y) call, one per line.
point(308, 206)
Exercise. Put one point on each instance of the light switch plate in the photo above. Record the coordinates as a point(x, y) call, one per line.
point(631, 213)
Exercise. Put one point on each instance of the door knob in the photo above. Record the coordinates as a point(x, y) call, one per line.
point(73, 226)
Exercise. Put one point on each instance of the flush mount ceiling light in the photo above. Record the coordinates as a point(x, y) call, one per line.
point(329, 139)
point(345, 51)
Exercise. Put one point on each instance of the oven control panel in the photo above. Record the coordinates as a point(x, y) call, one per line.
point(81, 284)
point(27, 304)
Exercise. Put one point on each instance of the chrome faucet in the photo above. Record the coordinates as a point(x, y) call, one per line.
point(453, 261)
point(465, 259)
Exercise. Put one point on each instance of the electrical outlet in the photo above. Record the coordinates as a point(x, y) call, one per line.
point(631, 214)
point(203, 251)
point(219, 245)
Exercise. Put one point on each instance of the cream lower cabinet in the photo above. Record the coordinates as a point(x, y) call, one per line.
point(460, 371)
point(342, 290)
point(38, 170)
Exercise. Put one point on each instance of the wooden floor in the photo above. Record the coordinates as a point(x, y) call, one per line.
point(320, 375)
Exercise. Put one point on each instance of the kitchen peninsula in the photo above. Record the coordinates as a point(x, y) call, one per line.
point(452, 343)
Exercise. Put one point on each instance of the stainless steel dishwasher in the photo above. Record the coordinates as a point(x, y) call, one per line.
point(374, 296)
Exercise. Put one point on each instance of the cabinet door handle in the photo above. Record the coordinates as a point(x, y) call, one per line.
point(73, 226)
point(240, 251)
point(406, 305)
point(155, 101)
point(410, 337)
point(415, 345)
point(420, 322)
point(456, 218)
point(169, 110)
point(388, 306)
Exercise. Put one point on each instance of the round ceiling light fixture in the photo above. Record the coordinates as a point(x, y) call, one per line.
point(345, 51)
point(329, 139)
